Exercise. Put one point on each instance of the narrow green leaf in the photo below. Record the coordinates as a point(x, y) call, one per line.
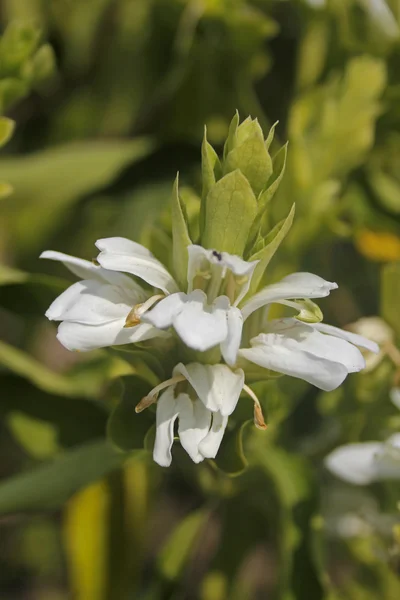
point(253, 160)
point(231, 139)
point(49, 485)
point(271, 135)
point(177, 550)
point(278, 165)
point(266, 254)
point(211, 172)
point(27, 367)
point(49, 182)
point(43, 63)
point(230, 211)
point(7, 127)
point(180, 237)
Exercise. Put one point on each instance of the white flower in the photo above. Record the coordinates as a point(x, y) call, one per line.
point(320, 354)
point(95, 312)
point(202, 405)
point(206, 314)
point(366, 462)
point(212, 310)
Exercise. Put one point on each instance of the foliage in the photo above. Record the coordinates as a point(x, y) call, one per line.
point(102, 102)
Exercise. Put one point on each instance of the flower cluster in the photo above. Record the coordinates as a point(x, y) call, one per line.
point(214, 308)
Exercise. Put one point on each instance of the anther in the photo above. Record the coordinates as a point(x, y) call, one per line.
point(138, 310)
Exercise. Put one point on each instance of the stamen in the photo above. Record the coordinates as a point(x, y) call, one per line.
point(392, 352)
point(258, 414)
point(152, 396)
point(138, 310)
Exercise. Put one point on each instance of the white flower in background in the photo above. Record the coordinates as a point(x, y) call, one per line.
point(201, 397)
point(97, 311)
point(375, 329)
point(320, 354)
point(366, 462)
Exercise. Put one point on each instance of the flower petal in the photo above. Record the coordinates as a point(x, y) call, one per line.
point(200, 326)
point(88, 270)
point(90, 302)
point(231, 344)
point(217, 386)
point(295, 349)
point(162, 315)
point(355, 463)
point(81, 337)
point(353, 338)
point(120, 254)
point(167, 413)
point(194, 424)
point(296, 285)
point(209, 446)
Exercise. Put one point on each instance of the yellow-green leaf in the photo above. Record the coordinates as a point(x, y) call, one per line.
point(180, 237)
point(231, 208)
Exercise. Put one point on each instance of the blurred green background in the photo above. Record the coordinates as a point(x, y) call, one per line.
point(110, 98)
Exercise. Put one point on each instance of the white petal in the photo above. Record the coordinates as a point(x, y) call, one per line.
point(298, 351)
point(231, 344)
point(200, 326)
point(296, 285)
point(90, 302)
point(163, 313)
point(373, 328)
point(194, 424)
point(167, 412)
point(88, 270)
point(217, 386)
point(198, 259)
point(209, 446)
point(120, 245)
point(307, 337)
point(77, 336)
point(353, 338)
point(395, 397)
point(355, 463)
point(120, 254)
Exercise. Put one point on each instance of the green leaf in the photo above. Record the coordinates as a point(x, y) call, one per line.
point(279, 164)
point(271, 135)
point(43, 63)
point(7, 127)
point(49, 485)
point(390, 295)
point(230, 211)
point(179, 546)
point(180, 236)
point(265, 255)
point(231, 139)
point(12, 90)
point(37, 437)
point(126, 429)
point(49, 182)
point(80, 384)
point(252, 158)
point(210, 171)
point(387, 189)
point(17, 44)
point(231, 458)
point(75, 419)
point(28, 293)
